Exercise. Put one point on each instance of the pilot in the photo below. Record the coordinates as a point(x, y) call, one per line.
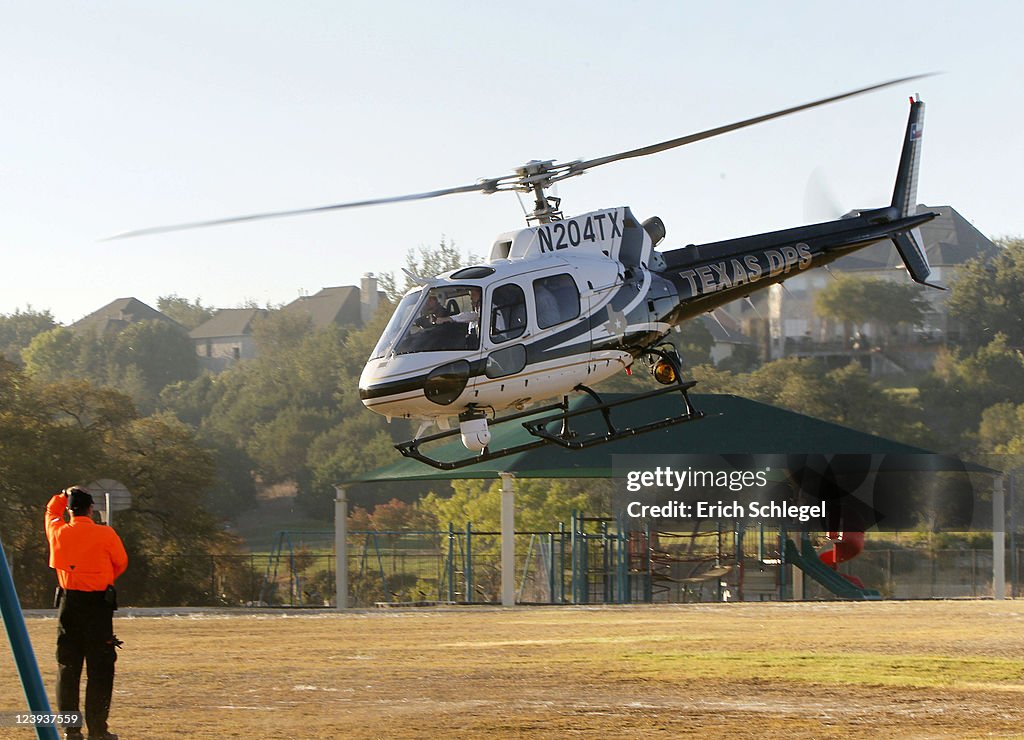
point(432, 312)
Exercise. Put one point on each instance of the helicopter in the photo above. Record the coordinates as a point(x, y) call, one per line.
point(567, 302)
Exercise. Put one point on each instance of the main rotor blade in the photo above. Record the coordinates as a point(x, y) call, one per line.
point(521, 181)
point(691, 138)
point(486, 185)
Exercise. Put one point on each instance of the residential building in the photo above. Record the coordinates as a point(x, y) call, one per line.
point(226, 338)
point(345, 305)
point(116, 315)
point(785, 322)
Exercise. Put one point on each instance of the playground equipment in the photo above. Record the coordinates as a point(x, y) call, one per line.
point(589, 560)
point(693, 563)
point(823, 571)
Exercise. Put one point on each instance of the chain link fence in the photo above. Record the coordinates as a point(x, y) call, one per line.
point(595, 566)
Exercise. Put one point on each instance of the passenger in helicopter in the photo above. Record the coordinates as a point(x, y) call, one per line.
point(547, 306)
point(557, 298)
point(470, 317)
point(508, 313)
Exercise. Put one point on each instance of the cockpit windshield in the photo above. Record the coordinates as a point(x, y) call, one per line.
point(398, 319)
point(447, 318)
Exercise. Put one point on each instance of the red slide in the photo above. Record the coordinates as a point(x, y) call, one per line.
point(845, 546)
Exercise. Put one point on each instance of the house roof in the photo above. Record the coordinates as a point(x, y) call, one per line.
point(948, 240)
point(118, 314)
point(228, 322)
point(732, 425)
point(337, 305)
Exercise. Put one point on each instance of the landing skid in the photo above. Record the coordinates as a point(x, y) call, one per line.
point(565, 436)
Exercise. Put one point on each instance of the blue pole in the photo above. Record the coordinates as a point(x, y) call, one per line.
point(561, 562)
point(451, 562)
point(24, 657)
point(575, 559)
point(468, 569)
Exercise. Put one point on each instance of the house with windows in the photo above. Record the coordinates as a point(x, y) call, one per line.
point(784, 321)
point(226, 338)
point(344, 305)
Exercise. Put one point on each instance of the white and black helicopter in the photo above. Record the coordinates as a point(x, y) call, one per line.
point(567, 302)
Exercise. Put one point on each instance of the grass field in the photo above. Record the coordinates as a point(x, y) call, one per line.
point(817, 670)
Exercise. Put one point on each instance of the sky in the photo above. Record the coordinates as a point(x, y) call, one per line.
point(123, 115)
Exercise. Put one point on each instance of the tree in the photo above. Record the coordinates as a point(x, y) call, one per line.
point(540, 504)
point(53, 354)
point(280, 446)
point(392, 516)
point(293, 413)
point(73, 432)
point(428, 263)
point(845, 395)
point(19, 328)
point(994, 374)
point(1001, 431)
point(189, 314)
point(278, 334)
point(964, 385)
point(858, 301)
point(161, 352)
point(355, 445)
point(140, 360)
point(988, 296)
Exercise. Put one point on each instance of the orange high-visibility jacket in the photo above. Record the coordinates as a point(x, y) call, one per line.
point(86, 556)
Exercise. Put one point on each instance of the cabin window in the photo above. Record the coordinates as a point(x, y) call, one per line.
point(508, 312)
point(557, 299)
point(446, 319)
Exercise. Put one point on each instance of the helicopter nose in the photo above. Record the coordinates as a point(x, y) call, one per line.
point(410, 393)
point(446, 383)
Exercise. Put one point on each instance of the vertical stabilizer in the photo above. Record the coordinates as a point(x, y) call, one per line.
point(904, 197)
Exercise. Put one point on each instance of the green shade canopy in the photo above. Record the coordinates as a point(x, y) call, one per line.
point(732, 425)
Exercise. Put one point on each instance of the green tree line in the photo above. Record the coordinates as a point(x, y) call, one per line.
point(293, 413)
point(73, 432)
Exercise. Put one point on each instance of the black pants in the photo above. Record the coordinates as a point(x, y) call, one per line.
point(85, 633)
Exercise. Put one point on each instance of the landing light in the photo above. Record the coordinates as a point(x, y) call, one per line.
point(664, 373)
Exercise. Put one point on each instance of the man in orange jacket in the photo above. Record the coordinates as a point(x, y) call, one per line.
point(88, 558)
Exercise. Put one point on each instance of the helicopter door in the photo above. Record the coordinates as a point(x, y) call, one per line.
point(605, 300)
point(563, 341)
point(504, 351)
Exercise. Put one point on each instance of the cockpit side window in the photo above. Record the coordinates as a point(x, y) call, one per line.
point(508, 313)
point(447, 319)
point(557, 299)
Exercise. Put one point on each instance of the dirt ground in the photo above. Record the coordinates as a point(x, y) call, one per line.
point(808, 670)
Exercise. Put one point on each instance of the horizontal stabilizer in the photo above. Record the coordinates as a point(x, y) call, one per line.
point(908, 244)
